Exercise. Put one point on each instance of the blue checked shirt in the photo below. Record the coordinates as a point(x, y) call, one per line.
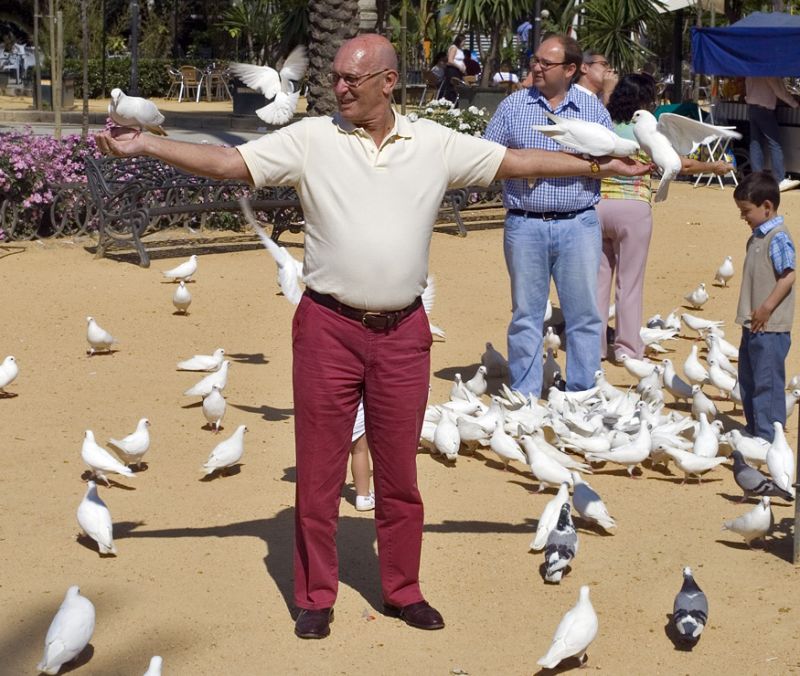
point(511, 126)
point(781, 249)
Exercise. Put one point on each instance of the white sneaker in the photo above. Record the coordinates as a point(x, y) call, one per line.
point(788, 184)
point(365, 503)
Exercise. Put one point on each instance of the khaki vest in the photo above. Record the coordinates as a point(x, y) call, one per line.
point(758, 281)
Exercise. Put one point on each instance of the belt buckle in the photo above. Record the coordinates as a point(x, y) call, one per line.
point(548, 216)
point(371, 320)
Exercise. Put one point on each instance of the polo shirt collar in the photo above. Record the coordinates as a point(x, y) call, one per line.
point(766, 226)
point(402, 127)
point(570, 99)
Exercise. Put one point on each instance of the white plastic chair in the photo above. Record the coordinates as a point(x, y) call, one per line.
point(716, 148)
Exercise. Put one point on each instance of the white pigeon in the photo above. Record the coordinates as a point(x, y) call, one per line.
point(182, 299)
point(695, 372)
point(226, 453)
point(69, 632)
point(8, 371)
point(290, 270)
point(134, 111)
point(95, 519)
point(504, 445)
point(706, 442)
point(691, 464)
point(638, 368)
point(549, 517)
point(697, 297)
point(628, 455)
point(98, 338)
point(730, 351)
point(218, 378)
point(446, 438)
point(669, 137)
point(546, 469)
point(574, 633)
point(753, 449)
point(100, 461)
point(754, 524)
point(203, 362)
point(673, 383)
point(720, 378)
point(276, 86)
point(551, 341)
point(794, 383)
point(725, 271)
point(183, 271)
point(132, 448)
point(477, 384)
point(586, 137)
point(790, 399)
point(155, 666)
point(780, 461)
point(214, 407)
point(716, 354)
point(495, 363)
point(698, 323)
point(458, 390)
point(701, 403)
point(589, 504)
point(428, 297)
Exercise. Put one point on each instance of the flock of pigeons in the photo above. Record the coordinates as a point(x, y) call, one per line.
point(563, 437)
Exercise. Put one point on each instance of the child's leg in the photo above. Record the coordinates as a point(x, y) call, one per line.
point(359, 465)
point(746, 382)
point(767, 353)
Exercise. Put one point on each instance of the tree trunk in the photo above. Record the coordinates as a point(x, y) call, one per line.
point(331, 22)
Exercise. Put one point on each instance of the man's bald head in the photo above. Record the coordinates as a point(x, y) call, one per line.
point(372, 51)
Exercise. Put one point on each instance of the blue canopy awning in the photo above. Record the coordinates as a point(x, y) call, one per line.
point(761, 44)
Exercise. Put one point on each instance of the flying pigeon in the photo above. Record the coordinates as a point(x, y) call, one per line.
point(95, 520)
point(69, 632)
point(182, 299)
point(226, 453)
point(690, 610)
point(697, 297)
point(100, 461)
point(98, 338)
point(8, 371)
point(753, 482)
point(134, 111)
point(725, 271)
point(132, 448)
point(218, 378)
point(574, 634)
point(561, 547)
point(582, 136)
point(754, 524)
point(276, 86)
point(183, 271)
point(203, 362)
point(669, 137)
point(214, 407)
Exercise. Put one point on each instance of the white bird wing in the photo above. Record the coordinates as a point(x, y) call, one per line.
point(294, 68)
point(580, 135)
point(429, 295)
point(281, 110)
point(261, 78)
point(684, 133)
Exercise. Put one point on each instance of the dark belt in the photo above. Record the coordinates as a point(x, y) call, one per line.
point(547, 215)
point(378, 321)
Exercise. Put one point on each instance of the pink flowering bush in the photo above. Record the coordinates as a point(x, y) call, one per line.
point(30, 167)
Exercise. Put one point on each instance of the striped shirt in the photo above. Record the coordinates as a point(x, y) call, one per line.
point(512, 125)
point(781, 249)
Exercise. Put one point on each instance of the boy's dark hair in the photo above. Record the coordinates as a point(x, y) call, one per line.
point(757, 188)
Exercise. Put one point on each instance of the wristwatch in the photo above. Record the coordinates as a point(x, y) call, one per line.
point(594, 165)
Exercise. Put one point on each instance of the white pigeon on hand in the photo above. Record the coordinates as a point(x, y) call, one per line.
point(218, 378)
point(226, 453)
point(203, 362)
point(134, 111)
point(8, 372)
point(428, 296)
point(95, 520)
point(725, 271)
point(182, 299)
point(214, 406)
point(155, 666)
point(132, 448)
point(98, 338)
point(496, 364)
point(586, 137)
point(69, 632)
point(575, 632)
point(100, 461)
point(276, 86)
point(183, 271)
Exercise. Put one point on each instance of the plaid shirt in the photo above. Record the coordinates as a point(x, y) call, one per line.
point(511, 126)
point(781, 249)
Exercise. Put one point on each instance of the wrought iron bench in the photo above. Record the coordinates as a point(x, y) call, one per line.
point(134, 197)
point(471, 199)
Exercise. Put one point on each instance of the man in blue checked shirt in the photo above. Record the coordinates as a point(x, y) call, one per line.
point(551, 228)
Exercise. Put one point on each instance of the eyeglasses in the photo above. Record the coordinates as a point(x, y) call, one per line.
point(604, 64)
point(544, 64)
point(353, 81)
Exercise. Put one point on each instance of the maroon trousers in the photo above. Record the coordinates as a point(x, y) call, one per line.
point(336, 360)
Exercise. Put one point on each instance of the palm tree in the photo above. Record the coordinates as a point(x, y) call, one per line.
point(331, 22)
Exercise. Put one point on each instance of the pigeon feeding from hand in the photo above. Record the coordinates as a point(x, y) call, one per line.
point(134, 111)
point(690, 610)
point(277, 86)
point(586, 137)
point(69, 632)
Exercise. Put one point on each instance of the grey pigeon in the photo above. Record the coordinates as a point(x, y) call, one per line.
point(690, 610)
point(561, 547)
point(753, 482)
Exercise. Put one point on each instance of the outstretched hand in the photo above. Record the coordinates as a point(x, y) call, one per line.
point(623, 166)
point(121, 142)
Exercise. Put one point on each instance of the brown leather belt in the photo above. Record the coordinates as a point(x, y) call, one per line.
point(377, 321)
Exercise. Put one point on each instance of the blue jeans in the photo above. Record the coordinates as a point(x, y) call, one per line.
point(568, 250)
point(762, 379)
point(764, 132)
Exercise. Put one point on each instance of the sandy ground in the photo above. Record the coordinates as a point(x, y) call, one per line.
point(203, 575)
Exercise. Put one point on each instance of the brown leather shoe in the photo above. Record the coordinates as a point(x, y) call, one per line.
point(313, 623)
point(420, 615)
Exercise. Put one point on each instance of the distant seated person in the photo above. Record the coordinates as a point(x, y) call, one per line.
point(439, 66)
point(504, 76)
point(473, 68)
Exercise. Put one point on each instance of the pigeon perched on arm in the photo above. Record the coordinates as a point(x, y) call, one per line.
point(276, 86)
point(134, 111)
point(586, 137)
point(690, 610)
point(561, 547)
point(69, 632)
point(575, 632)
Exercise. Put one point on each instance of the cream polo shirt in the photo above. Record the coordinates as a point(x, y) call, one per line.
point(369, 211)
